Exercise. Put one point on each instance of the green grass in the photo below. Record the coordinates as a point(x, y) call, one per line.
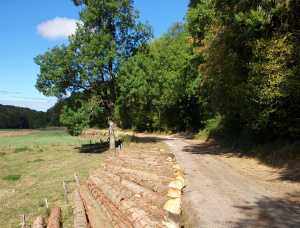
point(22, 150)
point(43, 172)
point(41, 139)
point(12, 177)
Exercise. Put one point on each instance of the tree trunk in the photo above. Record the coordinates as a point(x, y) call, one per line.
point(112, 145)
point(112, 108)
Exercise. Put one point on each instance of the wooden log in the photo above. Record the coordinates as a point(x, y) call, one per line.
point(176, 184)
point(55, 218)
point(116, 217)
point(148, 184)
point(39, 222)
point(149, 201)
point(144, 157)
point(173, 205)
point(174, 193)
point(181, 178)
point(80, 220)
point(142, 166)
point(130, 209)
point(95, 214)
point(172, 220)
point(171, 157)
point(142, 174)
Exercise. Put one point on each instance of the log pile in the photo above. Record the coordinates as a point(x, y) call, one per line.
point(139, 188)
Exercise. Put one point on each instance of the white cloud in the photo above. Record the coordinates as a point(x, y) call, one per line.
point(57, 28)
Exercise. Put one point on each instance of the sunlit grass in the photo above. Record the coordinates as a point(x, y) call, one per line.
point(30, 176)
point(41, 139)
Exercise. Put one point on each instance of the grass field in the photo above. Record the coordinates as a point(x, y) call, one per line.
point(29, 175)
point(38, 139)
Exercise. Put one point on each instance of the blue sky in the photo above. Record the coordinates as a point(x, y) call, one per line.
point(30, 27)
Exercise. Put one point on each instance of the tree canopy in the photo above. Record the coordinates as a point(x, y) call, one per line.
point(234, 61)
point(107, 35)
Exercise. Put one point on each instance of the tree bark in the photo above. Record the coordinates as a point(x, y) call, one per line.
point(112, 145)
point(131, 210)
point(80, 220)
point(55, 218)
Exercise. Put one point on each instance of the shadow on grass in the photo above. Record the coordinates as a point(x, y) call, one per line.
point(96, 148)
point(136, 139)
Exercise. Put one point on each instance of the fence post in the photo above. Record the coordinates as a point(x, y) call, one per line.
point(76, 178)
point(47, 205)
point(65, 190)
point(23, 220)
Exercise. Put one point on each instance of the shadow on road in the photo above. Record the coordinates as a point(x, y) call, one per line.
point(216, 148)
point(268, 212)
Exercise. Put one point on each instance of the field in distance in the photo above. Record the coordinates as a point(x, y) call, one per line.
point(37, 138)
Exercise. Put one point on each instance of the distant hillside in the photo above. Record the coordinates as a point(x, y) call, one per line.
point(17, 117)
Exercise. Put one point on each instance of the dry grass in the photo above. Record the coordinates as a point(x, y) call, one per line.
point(42, 171)
point(10, 133)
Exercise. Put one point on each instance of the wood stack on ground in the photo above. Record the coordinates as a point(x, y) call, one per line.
point(137, 188)
point(54, 220)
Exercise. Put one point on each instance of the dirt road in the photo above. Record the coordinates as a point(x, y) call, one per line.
point(218, 195)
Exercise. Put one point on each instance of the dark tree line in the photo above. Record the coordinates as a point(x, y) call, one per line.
point(17, 117)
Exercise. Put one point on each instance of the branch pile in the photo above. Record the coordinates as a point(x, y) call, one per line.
point(137, 188)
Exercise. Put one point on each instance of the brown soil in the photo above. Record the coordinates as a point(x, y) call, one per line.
point(6, 134)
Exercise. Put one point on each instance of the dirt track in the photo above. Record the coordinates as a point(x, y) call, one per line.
point(218, 195)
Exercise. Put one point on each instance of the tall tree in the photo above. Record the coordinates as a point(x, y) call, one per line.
point(106, 36)
point(250, 53)
point(158, 86)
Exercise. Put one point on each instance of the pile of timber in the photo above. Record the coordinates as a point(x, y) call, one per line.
point(133, 189)
point(53, 222)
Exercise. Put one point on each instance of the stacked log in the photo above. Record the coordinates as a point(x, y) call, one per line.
point(137, 188)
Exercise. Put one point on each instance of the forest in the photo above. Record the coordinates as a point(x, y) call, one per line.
point(17, 117)
point(232, 67)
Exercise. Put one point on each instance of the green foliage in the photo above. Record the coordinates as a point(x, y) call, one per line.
point(12, 177)
point(17, 117)
point(108, 34)
point(212, 130)
point(65, 214)
point(75, 120)
point(158, 87)
point(249, 62)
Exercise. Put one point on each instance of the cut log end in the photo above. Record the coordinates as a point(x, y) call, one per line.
point(173, 206)
point(174, 193)
point(39, 222)
point(181, 178)
point(176, 184)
